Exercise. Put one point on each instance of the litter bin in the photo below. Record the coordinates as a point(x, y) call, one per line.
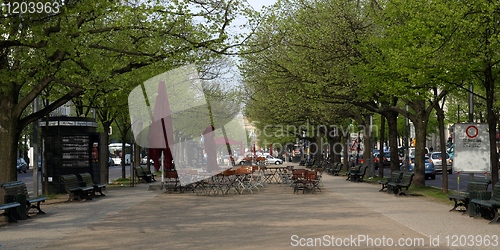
point(21, 213)
point(473, 209)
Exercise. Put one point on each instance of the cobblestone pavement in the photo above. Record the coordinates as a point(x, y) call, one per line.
point(343, 215)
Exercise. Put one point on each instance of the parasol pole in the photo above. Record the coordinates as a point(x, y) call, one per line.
point(162, 171)
point(224, 134)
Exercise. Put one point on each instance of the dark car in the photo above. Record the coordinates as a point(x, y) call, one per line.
point(429, 167)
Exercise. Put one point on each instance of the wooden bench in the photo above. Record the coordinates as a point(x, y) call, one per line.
point(86, 179)
point(395, 177)
point(144, 175)
point(74, 189)
point(462, 199)
point(18, 188)
point(404, 183)
point(358, 177)
point(172, 182)
point(9, 210)
point(492, 204)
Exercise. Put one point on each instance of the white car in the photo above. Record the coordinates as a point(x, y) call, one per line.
point(273, 160)
point(438, 162)
point(240, 160)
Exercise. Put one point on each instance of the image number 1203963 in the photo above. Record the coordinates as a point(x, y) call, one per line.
point(30, 7)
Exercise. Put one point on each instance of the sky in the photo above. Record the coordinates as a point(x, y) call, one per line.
point(257, 4)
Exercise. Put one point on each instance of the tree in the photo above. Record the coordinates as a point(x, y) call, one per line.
point(83, 44)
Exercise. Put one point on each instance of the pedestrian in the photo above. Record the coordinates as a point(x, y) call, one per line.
point(431, 149)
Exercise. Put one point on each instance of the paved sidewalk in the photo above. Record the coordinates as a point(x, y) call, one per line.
point(349, 215)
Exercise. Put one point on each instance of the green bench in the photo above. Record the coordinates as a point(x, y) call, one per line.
point(395, 177)
point(9, 210)
point(335, 169)
point(352, 171)
point(492, 205)
point(144, 174)
point(358, 177)
point(398, 186)
point(15, 189)
point(74, 188)
point(462, 199)
point(86, 180)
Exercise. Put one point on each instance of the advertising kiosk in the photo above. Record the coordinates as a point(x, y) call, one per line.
point(70, 147)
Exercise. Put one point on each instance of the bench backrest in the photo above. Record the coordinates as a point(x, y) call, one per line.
point(142, 172)
point(357, 168)
point(406, 179)
point(70, 181)
point(87, 179)
point(139, 171)
point(396, 175)
point(173, 174)
point(477, 185)
point(363, 170)
point(496, 191)
point(15, 188)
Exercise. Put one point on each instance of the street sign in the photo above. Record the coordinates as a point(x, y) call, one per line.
point(471, 145)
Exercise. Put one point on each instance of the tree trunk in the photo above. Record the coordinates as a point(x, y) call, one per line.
point(492, 125)
point(124, 139)
point(105, 152)
point(367, 150)
point(335, 146)
point(381, 147)
point(442, 142)
point(420, 123)
point(392, 122)
point(345, 163)
point(8, 153)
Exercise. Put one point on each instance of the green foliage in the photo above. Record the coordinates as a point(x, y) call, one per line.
point(95, 52)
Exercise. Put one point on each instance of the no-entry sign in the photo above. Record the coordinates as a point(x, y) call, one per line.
point(471, 145)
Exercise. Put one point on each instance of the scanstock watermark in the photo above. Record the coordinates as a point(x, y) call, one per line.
point(314, 131)
point(188, 120)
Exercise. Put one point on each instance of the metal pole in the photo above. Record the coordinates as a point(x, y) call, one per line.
point(471, 104)
point(162, 170)
point(471, 114)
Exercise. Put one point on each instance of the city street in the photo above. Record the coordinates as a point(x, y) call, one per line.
point(115, 173)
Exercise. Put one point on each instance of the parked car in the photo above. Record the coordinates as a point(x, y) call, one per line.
point(411, 152)
point(241, 160)
point(386, 158)
point(273, 160)
point(22, 166)
point(436, 158)
point(429, 167)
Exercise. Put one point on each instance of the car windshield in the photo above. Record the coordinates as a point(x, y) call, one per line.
point(436, 156)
